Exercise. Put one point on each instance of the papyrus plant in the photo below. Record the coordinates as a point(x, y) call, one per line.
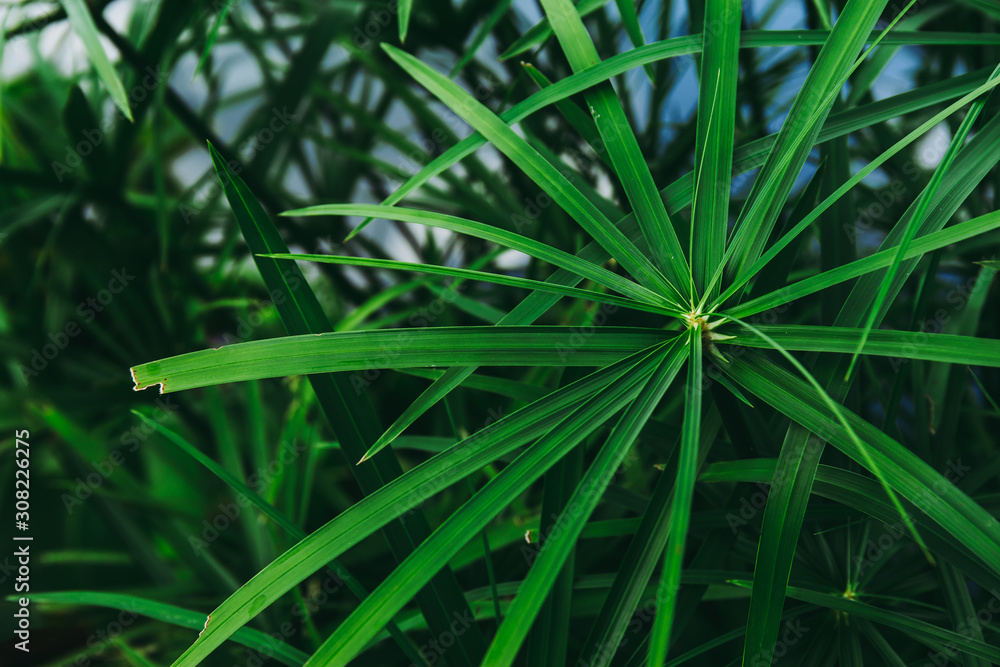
point(703, 274)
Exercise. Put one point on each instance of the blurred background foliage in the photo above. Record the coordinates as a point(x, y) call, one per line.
point(116, 247)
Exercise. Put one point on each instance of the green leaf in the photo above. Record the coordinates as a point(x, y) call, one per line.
point(630, 21)
point(548, 640)
point(213, 34)
point(394, 592)
point(185, 618)
point(348, 412)
point(859, 492)
point(899, 344)
point(799, 131)
point(524, 313)
point(393, 500)
point(881, 259)
point(537, 249)
point(495, 278)
point(279, 518)
point(926, 633)
point(680, 509)
point(976, 532)
point(83, 25)
point(748, 156)
point(555, 550)
point(405, 9)
point(623, 149)
point(582, 122)
point(643, 555)
point(917, 219)
point(537, 168)
point(882, 646)
point(558, 91)
point(714, 140)
point(395, 348)
point(484, 31)
point(80, 118)
point(960, 607)
point(539, 33)
point(838, 124)
point(784, 514)
point(771, 252)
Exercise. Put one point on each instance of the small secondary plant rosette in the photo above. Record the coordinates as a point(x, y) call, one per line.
point(700, 367)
